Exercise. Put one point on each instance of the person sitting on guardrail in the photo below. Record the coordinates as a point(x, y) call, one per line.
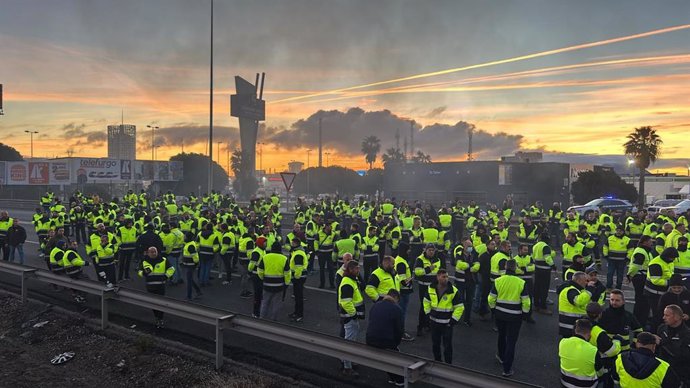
point(5, 224)
point(156, 271)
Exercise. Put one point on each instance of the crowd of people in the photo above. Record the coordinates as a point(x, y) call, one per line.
point(458, 259)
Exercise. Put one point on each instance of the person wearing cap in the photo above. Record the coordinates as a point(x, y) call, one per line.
point(674, 342)
point(426, 267)
point(325, 240)
point(607, 346)
point(640, 368)
point(599, 294)
point(682, 264)
point(579, 359)
point(637, 275)
point(351, 308)
point(572, 301)
point(677, 294)
point(617, 249)
point(499, 259)
point(577, 265)
point(510, 300)
point(659, 273)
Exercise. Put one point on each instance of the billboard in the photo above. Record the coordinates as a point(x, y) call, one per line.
point(2, 173)
point(17, 173)
point(96, 170)
point(39, 173)
point(59, 173)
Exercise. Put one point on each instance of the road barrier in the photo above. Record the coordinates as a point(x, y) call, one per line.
point(413, 368)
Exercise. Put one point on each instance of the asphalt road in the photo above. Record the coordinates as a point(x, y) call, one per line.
point(536, 359)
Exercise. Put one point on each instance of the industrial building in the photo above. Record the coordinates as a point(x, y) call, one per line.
point(122, 142)
point(482, 181)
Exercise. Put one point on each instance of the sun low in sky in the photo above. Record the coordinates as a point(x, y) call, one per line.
point(568, 78)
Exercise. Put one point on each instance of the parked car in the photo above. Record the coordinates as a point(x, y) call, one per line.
point(662, 203)
point(615, 205)
point(682, 207)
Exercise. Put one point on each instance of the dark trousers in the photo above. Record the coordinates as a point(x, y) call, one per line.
point(441, 333)
point(641, 308)
point(542, 281)
point(158, 290)
point(107, 274)
point(227, 263)
point(467, 288)
point(655, 319)
point(125, 259)
point(189, 279)
point(5, 250)
point(371, 262)
point(391, 376)
point(616, 267)
point(258, 294)
point(529, 285)
point(423, 318)
point(508, 332)
point(80, 233)
point(298, 290)
point(325, 262)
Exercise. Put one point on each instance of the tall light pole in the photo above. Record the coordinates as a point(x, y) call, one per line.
point(153, 146)
point(31, 136)
point(210, 116)
point(631, 164)
point(308, 172)
point(261, 157)
point(327, 154)
point(218, 150)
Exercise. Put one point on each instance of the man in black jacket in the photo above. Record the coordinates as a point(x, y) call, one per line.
point(674, 342)
point(148, 239)
point(386, 329)
point(677, 294)
point(16, 237)
point(641, 368)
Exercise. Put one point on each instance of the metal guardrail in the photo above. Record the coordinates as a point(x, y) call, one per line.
point(413, 368)
point(18, 204)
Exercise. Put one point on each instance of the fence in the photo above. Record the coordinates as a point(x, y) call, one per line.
point(413, 368)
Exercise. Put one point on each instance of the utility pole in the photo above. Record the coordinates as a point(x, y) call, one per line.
point(405, 146)
point(320, 144)
point(411, 139)
point(470, 132)
point(153, 146)
point(397, 139)
point(210, 117)
point(308, 171)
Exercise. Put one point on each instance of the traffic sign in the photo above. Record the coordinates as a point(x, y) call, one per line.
point(288, 179)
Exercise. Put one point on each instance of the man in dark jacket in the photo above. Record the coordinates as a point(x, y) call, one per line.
point(677, 294)
point(641, 368)
point(386, 329)
point(148, 239)
point(16, 237)
point(674, 342)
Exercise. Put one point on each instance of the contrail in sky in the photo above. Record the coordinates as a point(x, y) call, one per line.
point(493, 63)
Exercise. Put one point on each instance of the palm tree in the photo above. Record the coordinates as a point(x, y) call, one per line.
point(644, 146)
point(236, 162)
point(371, 145)
point(421, 157)
point(393, 155)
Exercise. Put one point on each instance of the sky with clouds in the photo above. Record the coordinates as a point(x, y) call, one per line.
point(565, 77)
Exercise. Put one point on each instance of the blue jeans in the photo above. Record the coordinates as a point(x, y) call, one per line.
point(480, 303)
point(351, 333)
point(404, 301)
point(617, 266)
point(174, 259)
point(19, 248)
point(189, 276)
point(206, 262)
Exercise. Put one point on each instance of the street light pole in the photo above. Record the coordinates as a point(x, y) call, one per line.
point(31, 137)
point(261, 157)
point(308, 172)
point(210, 117)
point(153, 146)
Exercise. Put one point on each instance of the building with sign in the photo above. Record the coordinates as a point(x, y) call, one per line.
point(122, 141)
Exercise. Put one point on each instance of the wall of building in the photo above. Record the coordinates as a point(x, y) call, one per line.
point(482, 181)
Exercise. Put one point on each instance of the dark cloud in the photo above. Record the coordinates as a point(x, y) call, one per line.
point(344, 131)
point(435, 112)
point(73, 130)
point(96, 137)
point(188, 134)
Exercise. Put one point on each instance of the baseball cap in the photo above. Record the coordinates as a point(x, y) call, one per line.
point(591, 269)
point(430, 245)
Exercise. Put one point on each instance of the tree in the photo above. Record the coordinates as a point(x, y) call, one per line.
point(644, 146)
point(601, 183)
point(9, 153)
point(393, 155)
point(421, 157)
point(196, 174)
point(244, 185)
point(371, 145)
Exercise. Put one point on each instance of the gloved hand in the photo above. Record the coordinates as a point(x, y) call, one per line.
point(147, 271)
